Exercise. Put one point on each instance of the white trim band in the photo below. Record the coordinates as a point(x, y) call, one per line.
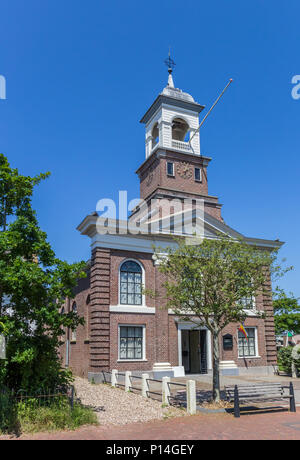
point(132, 309)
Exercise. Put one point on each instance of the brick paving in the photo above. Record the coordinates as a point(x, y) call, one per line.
point(265, 426)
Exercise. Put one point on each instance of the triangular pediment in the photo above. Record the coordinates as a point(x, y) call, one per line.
point(189, 222)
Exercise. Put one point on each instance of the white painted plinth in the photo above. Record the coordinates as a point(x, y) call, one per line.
point(228, 368)
point(161, 370)
point(228, 365)
point(178, 371)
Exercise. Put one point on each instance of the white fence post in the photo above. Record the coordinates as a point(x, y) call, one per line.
point(127, 380)
point(114, 377)
point(145, 386)
point(165, 391)
point(191, 397)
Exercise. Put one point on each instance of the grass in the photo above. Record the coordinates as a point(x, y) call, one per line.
point(31, 418)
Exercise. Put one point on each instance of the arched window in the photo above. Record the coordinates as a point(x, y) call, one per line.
point(180, 130)
point(155, 135)
point(131, 283)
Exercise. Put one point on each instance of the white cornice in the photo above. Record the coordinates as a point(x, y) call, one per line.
point(145, 241)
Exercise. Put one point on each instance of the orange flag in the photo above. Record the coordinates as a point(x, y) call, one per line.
point(243, 331)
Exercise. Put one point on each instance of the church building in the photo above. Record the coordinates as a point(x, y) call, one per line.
point(128, 330)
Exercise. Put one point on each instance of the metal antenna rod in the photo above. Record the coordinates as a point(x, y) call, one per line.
point(229, 83)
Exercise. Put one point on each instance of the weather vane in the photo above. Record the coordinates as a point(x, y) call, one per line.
point(170, 63)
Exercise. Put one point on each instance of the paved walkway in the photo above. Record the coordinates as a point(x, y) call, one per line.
point(204, 382)
point(204, 385)
point(279, 425)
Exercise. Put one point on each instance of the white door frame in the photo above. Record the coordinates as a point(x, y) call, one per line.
point(191, 326)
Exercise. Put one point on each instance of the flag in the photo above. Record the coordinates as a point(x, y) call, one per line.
point(243, 331)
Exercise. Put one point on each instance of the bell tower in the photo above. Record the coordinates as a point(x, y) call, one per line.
point(174, 167)
point(172, 120)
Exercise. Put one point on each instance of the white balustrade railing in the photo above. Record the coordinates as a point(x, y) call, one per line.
point(181, 146)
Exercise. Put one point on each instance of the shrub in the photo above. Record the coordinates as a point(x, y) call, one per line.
point(7, 413)
point(30, 416)
point(285, 360)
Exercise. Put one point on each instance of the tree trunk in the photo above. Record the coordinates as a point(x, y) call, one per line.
point(216, 370)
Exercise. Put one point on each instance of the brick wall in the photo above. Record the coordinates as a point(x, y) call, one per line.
point(119, 256)
point(138, 320)
point(271, 349)
point(96, 346)
point(99, 311)
point(79, 348)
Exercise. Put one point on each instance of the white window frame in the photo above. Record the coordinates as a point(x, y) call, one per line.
point(256, 344)
point(123, 305)
point(143, 326)
point(251, 311)
point(74, 332)
point(197, 180)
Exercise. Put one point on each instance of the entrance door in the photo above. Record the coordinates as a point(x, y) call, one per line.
point(195, 352)
point(185, 343)
point(193, 343)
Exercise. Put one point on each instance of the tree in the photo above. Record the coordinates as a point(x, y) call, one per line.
point(286, 313)
point(213, 283)
point(34, 285)
point(14, 189)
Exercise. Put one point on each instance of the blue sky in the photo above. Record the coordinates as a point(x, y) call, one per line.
point(81, 74)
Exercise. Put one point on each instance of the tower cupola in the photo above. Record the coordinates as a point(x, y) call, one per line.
point(172, 121)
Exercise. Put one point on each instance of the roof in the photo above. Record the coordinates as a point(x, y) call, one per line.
point(212, 227)
point(172, 96)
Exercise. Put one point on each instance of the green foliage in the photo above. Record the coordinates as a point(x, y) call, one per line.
point(32, 417)
point(287, 313)
point(212, 284)
point(7, 413)
point(285, 360)
point(14, 189)
point(33, 287)
point(214, 281)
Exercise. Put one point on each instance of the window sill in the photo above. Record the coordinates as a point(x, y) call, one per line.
point(131, 309)
point(252, 312)
point(132, 361)
point(249, 357)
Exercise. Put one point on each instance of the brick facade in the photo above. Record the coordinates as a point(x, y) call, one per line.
point(97, 342)
point(155, 184)
point(96, 347)
point(99, 311)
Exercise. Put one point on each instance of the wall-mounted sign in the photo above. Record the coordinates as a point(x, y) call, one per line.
point(227, 342)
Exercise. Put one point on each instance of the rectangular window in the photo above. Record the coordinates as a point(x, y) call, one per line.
point(73, 336)
point(170, 169)
point(198, 175)
point(131, 344)
point(247, 348)
point(247, 303)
